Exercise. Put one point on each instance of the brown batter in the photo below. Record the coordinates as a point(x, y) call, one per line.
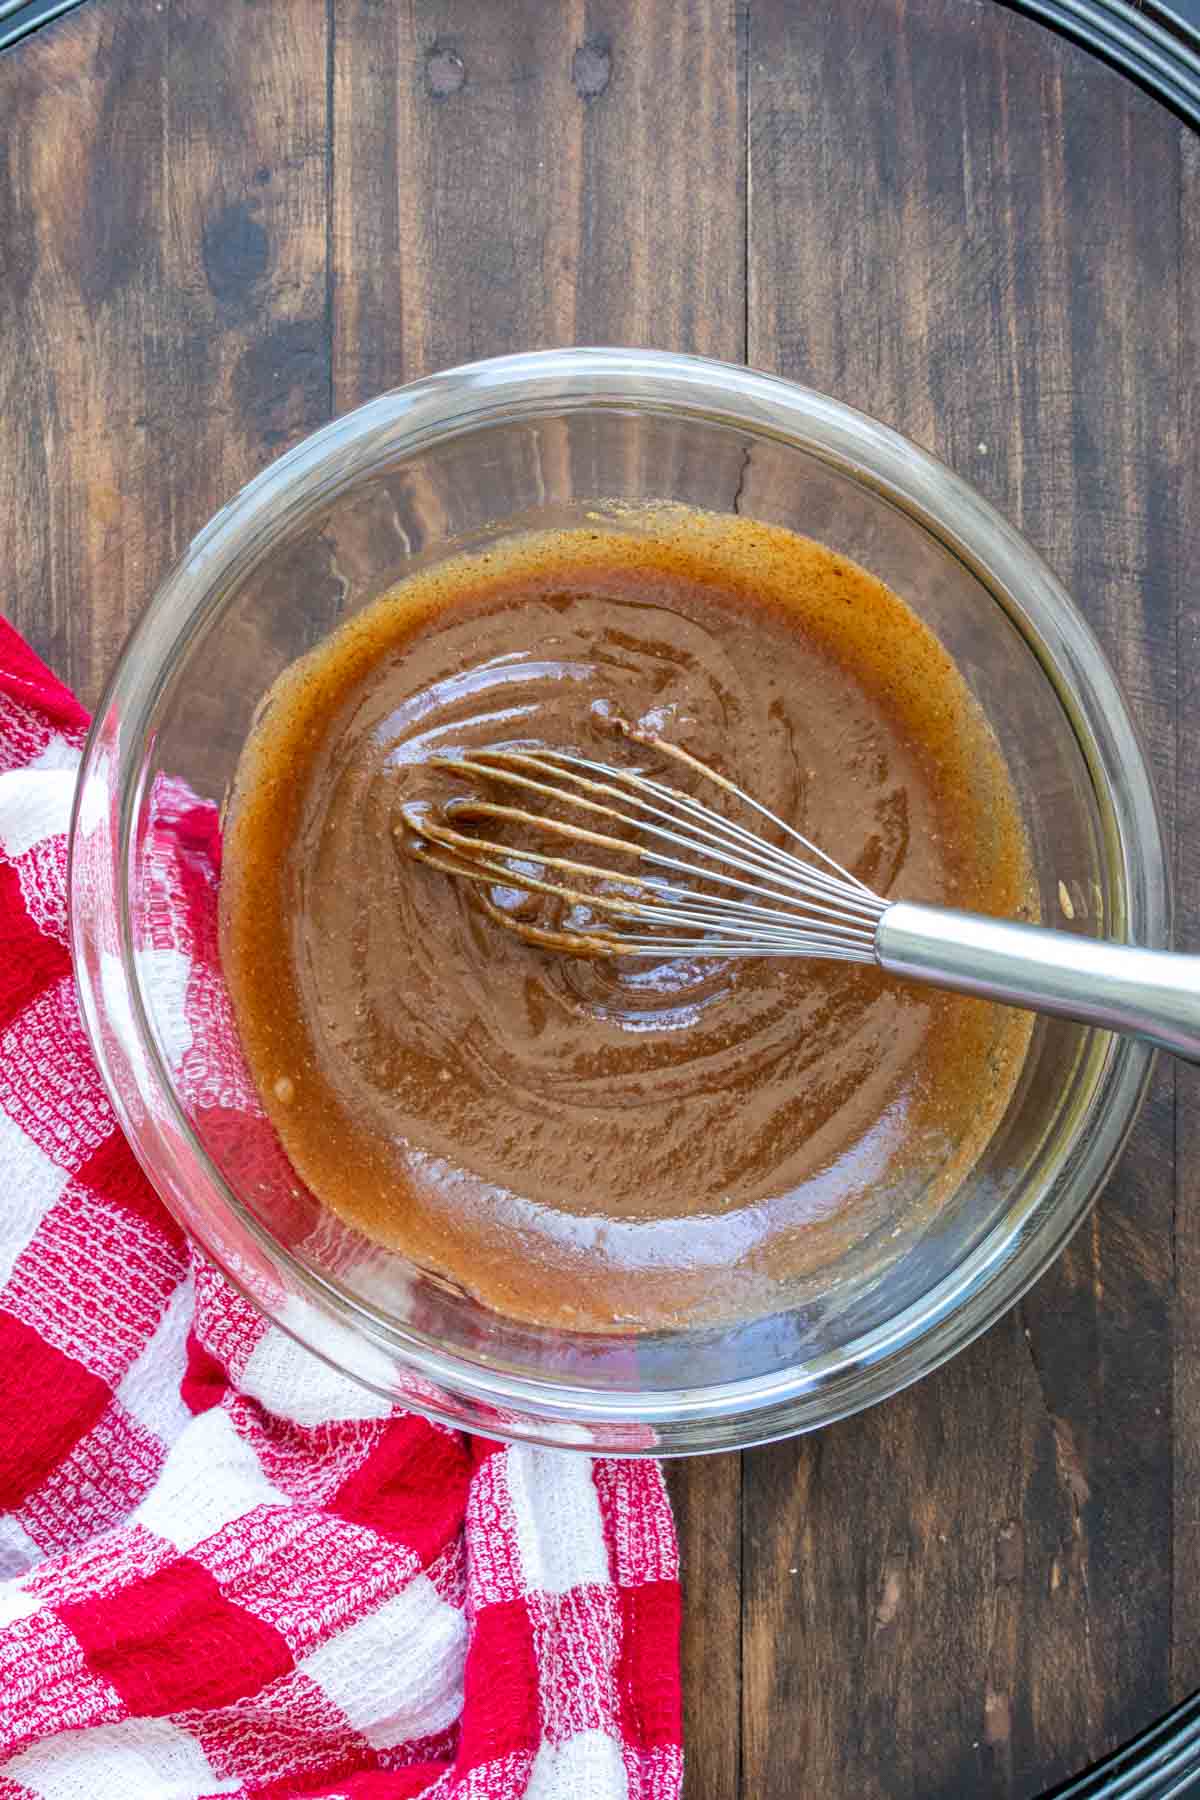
point(621, 1142)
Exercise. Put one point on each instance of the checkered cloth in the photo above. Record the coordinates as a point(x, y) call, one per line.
point(226, 1569)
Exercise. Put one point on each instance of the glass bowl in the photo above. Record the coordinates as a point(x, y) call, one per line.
point(458, 461)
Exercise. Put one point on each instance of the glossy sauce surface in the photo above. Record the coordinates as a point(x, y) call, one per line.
point(617, 1143)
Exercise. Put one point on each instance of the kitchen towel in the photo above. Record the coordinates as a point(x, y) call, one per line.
point(225, 1569)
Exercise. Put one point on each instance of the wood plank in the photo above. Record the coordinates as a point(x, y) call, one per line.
point(706, 1493)
point(970, 230)
point(508, 177)
point(1185, 1617)
point(483, 196)
point(162, 215)
point(982, 1583)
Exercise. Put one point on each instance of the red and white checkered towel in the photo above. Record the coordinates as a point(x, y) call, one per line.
point(223, 1568)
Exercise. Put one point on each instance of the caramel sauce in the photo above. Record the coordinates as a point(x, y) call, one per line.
point(617, 1142)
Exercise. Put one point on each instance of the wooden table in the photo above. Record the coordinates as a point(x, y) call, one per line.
point(223, 221)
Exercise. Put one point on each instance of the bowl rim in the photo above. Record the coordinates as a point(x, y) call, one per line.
point(995, 1274)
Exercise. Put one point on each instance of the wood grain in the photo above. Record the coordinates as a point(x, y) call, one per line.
point(222, 221)
point(1185, 1635)
point(162, 212)
point(972, 232)
point(532, 175)
point(512, 176)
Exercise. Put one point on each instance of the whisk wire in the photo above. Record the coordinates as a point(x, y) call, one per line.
point(793, 872)
point(730, 843)
point(771, 903)
point(502, 863)
point(510, 764)
point(665, 748)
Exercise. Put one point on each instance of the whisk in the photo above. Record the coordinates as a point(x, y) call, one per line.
point(699, 883)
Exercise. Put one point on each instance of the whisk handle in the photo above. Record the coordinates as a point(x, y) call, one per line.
point(1150, 994)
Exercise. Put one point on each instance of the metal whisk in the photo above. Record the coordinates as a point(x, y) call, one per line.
point(702, 884)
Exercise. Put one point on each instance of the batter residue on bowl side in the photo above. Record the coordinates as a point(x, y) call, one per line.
point(617, 1143)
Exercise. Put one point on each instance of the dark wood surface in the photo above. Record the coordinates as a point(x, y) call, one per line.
point(222, 221)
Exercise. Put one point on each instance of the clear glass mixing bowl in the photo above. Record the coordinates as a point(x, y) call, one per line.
point(460, 460)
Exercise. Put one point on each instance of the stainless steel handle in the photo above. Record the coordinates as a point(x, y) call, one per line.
point(1151, 994)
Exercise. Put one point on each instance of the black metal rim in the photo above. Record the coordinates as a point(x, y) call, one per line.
point(1162, 1763)
point(1156, 47)
point(19, 17)
point(1160, 51)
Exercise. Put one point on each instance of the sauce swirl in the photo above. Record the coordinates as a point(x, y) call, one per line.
point(617, 1143)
